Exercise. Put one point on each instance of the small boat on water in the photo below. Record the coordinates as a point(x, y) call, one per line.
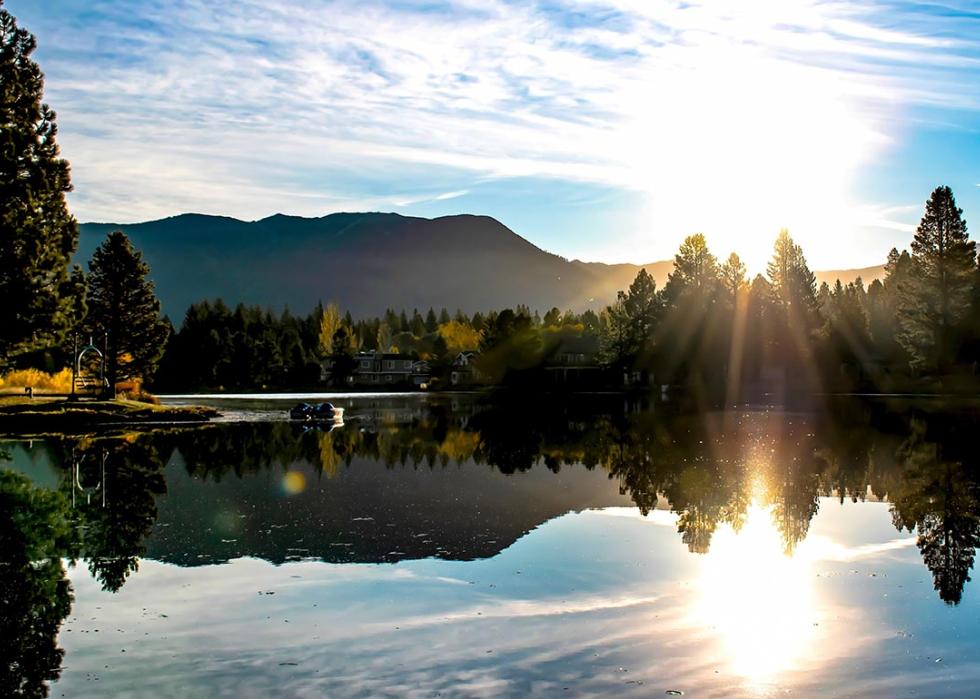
point(319, 412)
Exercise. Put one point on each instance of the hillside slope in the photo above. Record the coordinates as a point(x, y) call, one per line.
point(368, 262)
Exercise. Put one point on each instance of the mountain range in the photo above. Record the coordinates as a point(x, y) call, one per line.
point(367, 262)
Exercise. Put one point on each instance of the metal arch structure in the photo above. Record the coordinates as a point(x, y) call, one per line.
point(76, 476)
point(79, 354)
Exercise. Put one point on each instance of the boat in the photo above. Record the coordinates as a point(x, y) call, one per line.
point(320, 412)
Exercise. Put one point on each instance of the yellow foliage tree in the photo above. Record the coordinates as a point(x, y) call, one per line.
point(329, 324)
point(459, 336)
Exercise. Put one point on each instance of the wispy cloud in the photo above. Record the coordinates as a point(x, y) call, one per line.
point(307, 106)
point(444, 196)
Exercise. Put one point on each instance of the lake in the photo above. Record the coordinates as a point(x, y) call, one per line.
point(461, 546)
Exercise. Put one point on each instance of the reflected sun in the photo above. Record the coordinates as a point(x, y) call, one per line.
point(761, 602)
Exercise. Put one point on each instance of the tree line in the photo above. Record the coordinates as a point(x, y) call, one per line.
point(710, 328)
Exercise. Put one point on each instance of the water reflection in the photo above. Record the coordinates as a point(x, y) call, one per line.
point(465, 481)
point(36, 533)
point(759, 599)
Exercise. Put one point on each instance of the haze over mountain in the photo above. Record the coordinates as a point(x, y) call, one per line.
point(367, 262)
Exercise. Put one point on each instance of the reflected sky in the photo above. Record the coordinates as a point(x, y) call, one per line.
point(599, 602)
point(431, 549)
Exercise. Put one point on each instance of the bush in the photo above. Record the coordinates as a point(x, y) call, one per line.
point(133, 390)
point(59, 382)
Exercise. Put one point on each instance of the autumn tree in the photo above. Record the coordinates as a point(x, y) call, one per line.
point(935, 298)
point(330, 322)
point(385, 338)
point(38, 235)
point(122, 305)
point(459, 336)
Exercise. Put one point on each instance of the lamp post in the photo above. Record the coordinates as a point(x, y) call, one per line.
point(74, 364)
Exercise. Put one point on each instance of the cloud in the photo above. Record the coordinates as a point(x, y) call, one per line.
point(307, 106)
point(445, 196)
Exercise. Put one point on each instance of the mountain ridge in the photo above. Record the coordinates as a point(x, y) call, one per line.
point(367, 262)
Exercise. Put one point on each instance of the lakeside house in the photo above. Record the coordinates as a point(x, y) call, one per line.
point(574, 361)
point(383, 369)
point(389, 369)
point(464, 371)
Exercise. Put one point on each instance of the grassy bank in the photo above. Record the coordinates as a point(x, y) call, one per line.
point(24, 416)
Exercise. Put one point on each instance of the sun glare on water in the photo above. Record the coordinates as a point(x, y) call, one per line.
point(760, 601)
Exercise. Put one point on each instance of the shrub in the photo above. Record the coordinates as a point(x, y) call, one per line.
point(59, 382)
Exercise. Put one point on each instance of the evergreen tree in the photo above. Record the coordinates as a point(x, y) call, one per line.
point(551, 318)
point(417, 325)
point(631, 322)
point(732, 275)
point(883, 309)
point(37, 233)
point(122, 304)
point(935, 298)
point(431, 321)
point(794, 285)
point(695, 270)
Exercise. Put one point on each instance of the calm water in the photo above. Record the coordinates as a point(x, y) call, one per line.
point(447, 547)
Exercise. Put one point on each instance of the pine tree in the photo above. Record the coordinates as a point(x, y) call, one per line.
point(631, 321)
point(695, 269)
point(37, 233)
point(123, 306)
point(431, 321)
point(732, 275)
point(935, 298)
point(795, 286)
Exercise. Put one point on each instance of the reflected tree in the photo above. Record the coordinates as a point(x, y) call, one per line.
point(940, 500)
point(36, 534)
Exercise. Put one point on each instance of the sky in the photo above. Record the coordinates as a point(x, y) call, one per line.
point(603, 130)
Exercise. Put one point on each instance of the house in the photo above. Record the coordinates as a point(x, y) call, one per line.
point(576, 351)
point(389, 369)
point(463, 371)
point(574, 360)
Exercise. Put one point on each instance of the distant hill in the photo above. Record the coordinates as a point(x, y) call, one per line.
point(366, 262)
point(867, 275)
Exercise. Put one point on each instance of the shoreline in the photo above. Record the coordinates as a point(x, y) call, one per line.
point(23, 417)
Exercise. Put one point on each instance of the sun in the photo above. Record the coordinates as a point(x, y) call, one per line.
point(737, 144)
point(760, 602)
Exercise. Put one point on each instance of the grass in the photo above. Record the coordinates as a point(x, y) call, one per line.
point(22, 415)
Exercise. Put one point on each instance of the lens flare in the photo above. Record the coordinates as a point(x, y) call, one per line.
point(293, 483)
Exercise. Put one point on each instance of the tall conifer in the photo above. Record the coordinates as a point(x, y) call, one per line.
point(935, 298)
point(38, 236)
point(124, 309)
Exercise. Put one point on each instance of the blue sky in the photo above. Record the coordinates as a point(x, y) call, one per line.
point(601, 130)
